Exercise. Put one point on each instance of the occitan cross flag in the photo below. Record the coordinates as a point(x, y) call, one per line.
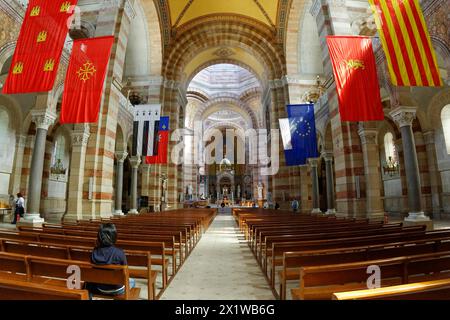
point(406, 43)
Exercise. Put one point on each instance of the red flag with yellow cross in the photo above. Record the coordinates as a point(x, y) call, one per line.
point(85, 80)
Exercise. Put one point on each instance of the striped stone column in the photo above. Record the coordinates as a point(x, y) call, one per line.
point(313, 164)
point(115, 19)
point(305, 192)
point(80, 138)
point(332, 18)
point(372, 171)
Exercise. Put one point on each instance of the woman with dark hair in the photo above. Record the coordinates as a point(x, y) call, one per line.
point(105, 253)
point(19, 208)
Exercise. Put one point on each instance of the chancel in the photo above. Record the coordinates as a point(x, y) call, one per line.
point(225, 150)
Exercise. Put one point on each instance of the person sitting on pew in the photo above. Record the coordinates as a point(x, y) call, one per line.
point(105, 253)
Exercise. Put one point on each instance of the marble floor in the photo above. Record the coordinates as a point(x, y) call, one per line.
point(221, 267)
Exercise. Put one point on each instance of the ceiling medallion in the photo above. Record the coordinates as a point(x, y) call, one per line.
point(224, 52)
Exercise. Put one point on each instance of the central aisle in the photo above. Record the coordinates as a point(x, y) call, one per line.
point(220, 268)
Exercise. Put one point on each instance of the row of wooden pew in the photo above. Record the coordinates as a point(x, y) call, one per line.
point(156, 246)
point(328, 257)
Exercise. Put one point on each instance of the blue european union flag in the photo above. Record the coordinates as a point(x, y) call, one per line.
point(302, 124)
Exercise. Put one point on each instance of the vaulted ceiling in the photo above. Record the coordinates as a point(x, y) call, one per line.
point(199, 33)
point(176, 16)
point(183, 11)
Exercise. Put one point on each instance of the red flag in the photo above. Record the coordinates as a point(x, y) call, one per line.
point(84, 80)
point(356, 78)
point(163, 143)
point(39, 47)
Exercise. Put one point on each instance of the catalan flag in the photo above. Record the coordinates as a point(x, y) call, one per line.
point(406, 43)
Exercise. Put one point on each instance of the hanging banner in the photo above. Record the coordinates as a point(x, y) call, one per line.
point(85, 79)
point(39, 47)
point(406, 42)
point(355, 73)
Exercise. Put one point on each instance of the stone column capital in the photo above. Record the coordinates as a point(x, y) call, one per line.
point(121, 156)
point(43, 118)
point(429, 137)
point(327, 155)
point(135, 161)
point(80, 135)
point(368, 136)
point(404, 116)
point(313, 162)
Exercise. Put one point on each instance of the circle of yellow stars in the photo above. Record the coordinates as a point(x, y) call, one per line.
point(86, 71)
point(307, 129)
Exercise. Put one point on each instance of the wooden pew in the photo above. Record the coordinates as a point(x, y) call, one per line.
point(326, 230)
point(41, 269)
point(293, 261)
point(49, 271)
point(156, 248)
point(325, 245)
point(139, 262)
point(338, 239)
point(23, 290)
point(320, 282)
point(428, 290)
point(169, 240)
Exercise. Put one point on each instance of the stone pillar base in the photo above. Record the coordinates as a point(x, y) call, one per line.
point(417, 219)
point(31, 220)
point(331, 212)
point(316, 211)
point(118, 213)
point(376, 215)
point(133, 211)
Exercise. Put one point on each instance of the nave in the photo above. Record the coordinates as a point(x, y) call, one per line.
point(220, 268)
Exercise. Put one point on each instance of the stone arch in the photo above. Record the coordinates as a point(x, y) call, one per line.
point(231, 100)
point(443, 51)
point(12, 107)
point(226, 33)
point(439, 101)
point(294, 35)
point(155, 39)
point(121, 138)
point(198, 94)
point(138, 53)
point(223, 61)
point(6, 53)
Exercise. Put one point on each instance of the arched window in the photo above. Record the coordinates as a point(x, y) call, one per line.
point(389, 147)
point(59, 155)
point(445, 118)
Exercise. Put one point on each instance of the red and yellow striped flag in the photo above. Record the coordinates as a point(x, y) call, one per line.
point(406, 42)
